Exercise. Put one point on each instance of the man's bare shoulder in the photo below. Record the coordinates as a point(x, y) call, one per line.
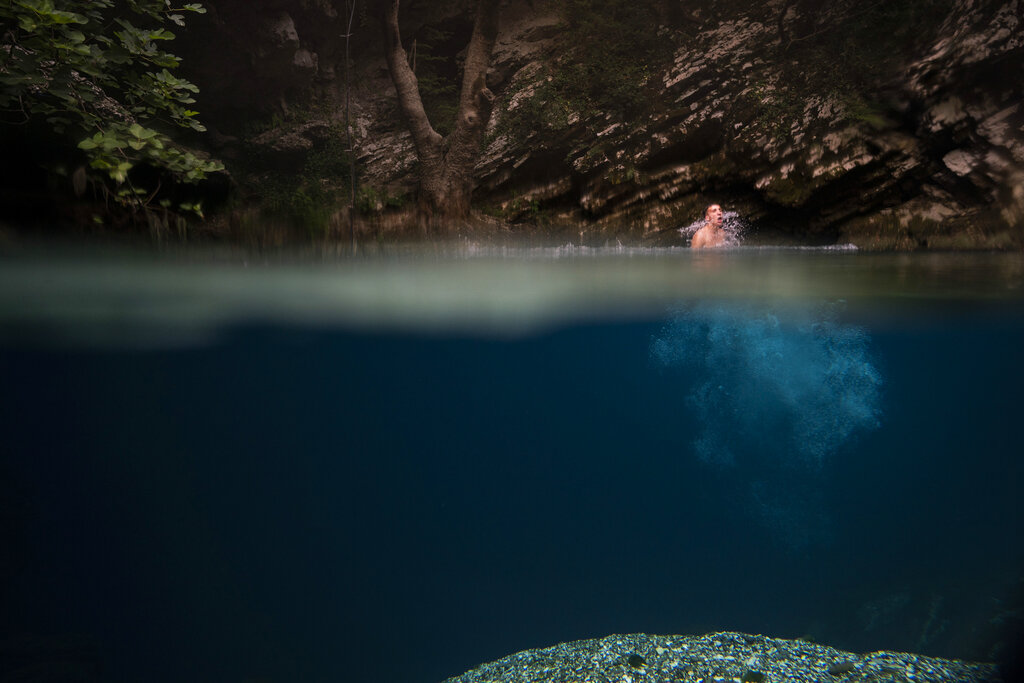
point(700, 238)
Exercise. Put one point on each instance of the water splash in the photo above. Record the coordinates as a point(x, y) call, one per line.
point(732, 224)
point(777, 394)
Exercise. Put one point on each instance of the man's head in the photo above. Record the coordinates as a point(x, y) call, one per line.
point(713, 215)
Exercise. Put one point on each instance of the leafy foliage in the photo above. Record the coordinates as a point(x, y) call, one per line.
point(308, 195)
point(95, 70)
point(371, 200)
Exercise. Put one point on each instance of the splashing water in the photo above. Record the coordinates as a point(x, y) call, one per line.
point(732, 224)
point(776, 395)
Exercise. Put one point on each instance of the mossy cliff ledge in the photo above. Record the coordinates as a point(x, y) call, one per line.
point(896, 126)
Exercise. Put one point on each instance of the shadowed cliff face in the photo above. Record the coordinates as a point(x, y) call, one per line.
point(814, 126)
point(928, 155)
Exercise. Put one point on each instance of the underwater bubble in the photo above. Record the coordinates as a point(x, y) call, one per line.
point(805, 379)
point(777, 393)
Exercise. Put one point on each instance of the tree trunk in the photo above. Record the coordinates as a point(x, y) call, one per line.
point(446, 164)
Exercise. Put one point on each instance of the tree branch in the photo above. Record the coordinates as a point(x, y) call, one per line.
point(424, 137)
point(476, 99)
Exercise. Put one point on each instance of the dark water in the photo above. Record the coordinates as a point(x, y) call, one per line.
point(393, 493)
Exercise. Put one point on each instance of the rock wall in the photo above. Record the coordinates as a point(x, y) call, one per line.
point(251, 63)
point(932, 156)
point(936, 164)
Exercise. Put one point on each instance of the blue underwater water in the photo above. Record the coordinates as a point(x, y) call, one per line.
point(291, 501)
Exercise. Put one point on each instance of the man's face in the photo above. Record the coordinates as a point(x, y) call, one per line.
point(714, 215)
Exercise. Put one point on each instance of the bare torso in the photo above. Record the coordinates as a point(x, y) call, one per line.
point(711, 234)
point(708, 236)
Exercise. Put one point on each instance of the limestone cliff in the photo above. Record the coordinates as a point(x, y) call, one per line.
point(756, 108)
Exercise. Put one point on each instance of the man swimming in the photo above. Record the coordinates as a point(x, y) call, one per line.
point(711, 233)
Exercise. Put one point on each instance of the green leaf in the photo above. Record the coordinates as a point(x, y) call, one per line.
point(90, 143)
point(120, 172)
point(166, 61)
point(59, 123)
point(79, 53)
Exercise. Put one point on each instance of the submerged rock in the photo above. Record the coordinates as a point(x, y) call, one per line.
point(722, 657)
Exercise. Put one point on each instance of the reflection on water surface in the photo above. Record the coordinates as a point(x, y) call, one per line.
point(467, 288)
